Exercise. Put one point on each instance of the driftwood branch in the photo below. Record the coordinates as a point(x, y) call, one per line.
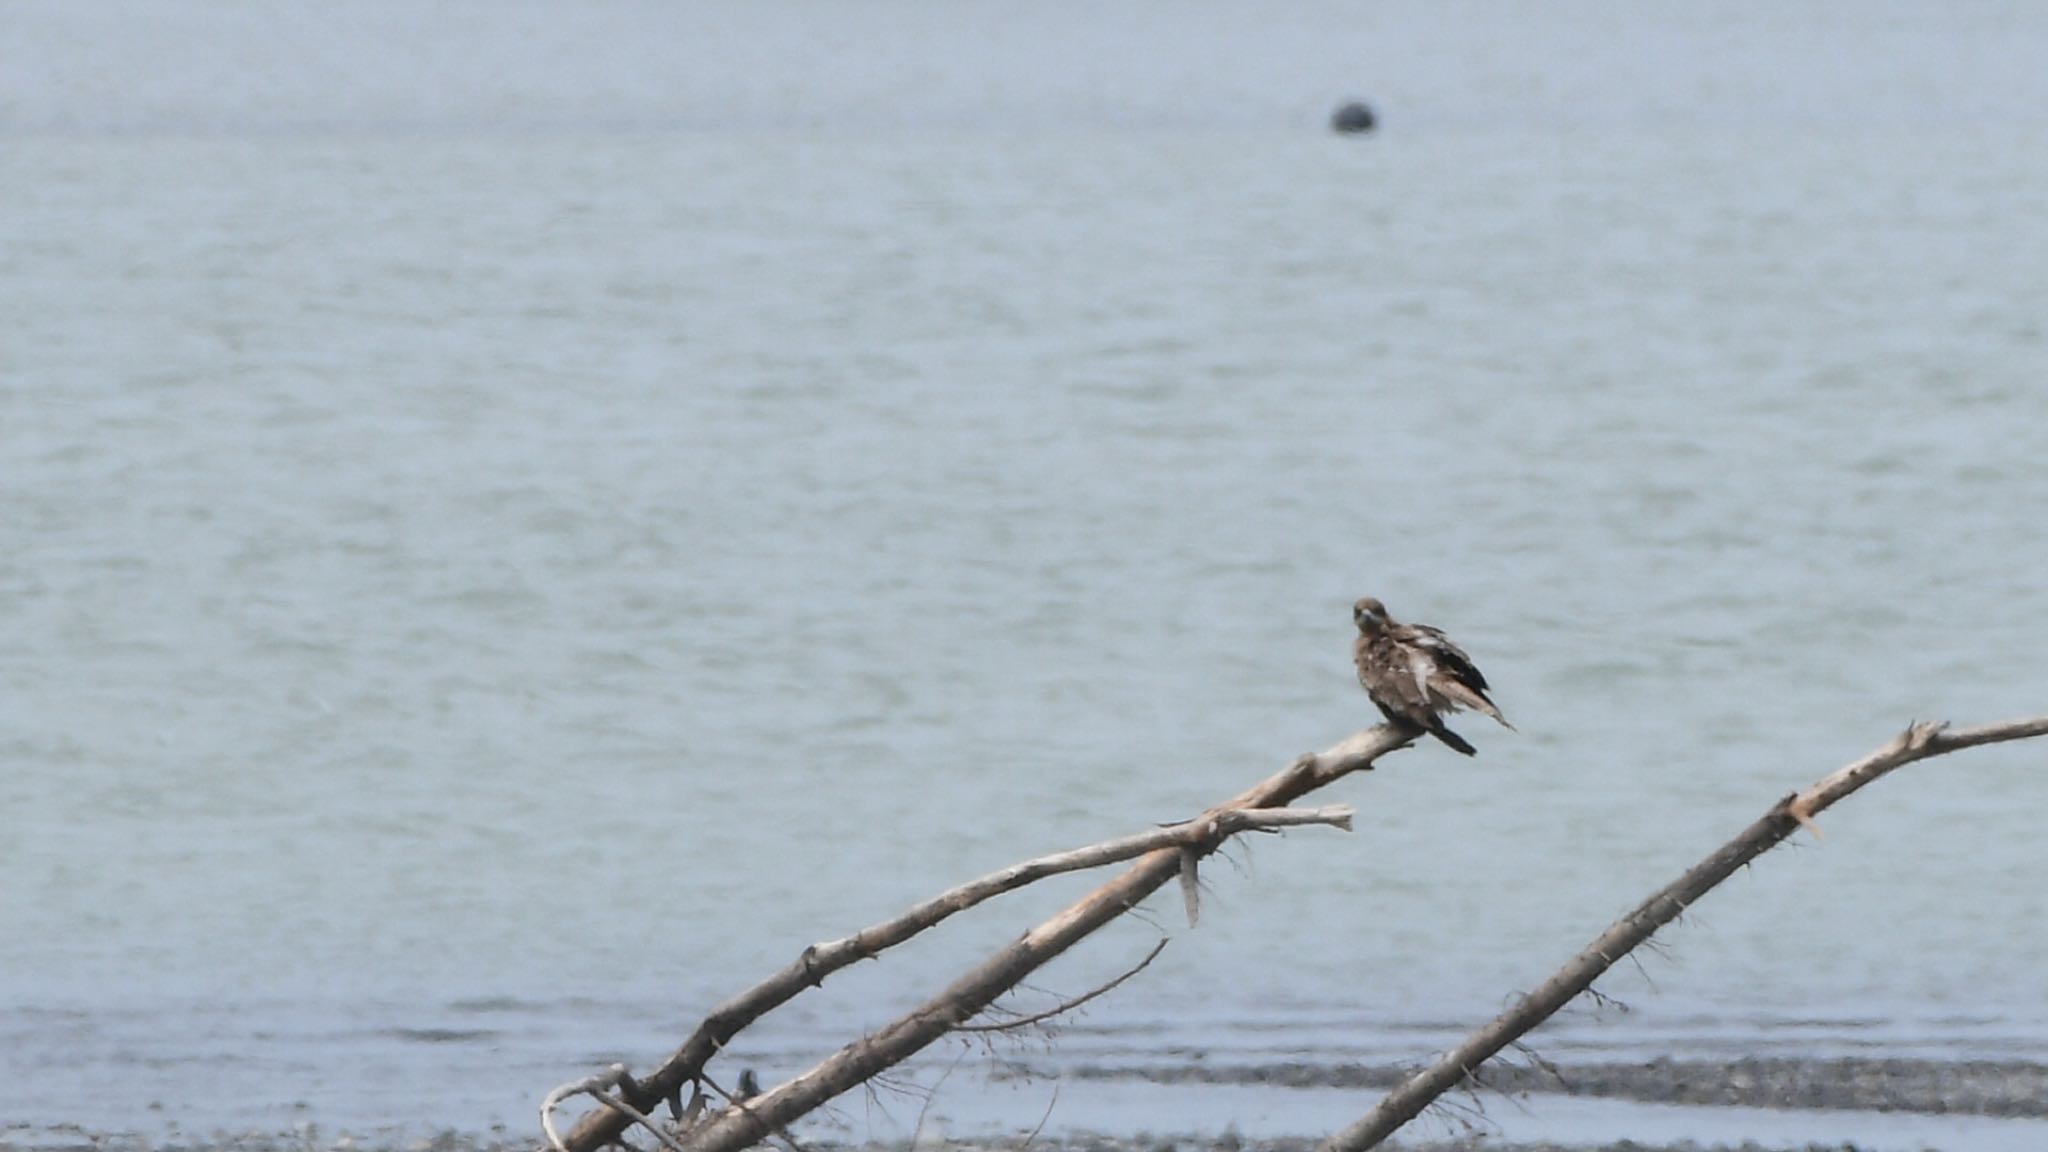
point(1159, 855)
point(969, 995)
point(599, 1087)
point(1917, 742)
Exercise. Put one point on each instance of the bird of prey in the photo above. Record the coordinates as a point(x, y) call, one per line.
point(1415, 674)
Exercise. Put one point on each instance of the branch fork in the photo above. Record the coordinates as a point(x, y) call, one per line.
point(1160, 854)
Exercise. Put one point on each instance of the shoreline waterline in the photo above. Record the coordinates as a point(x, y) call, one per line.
point(1760, 1105)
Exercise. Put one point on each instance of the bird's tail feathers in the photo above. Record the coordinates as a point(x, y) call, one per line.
point(1471, 698)
point(1451, 738)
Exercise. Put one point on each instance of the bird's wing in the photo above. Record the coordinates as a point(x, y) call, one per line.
point(1459, 681)
point(1387, 676)
point(1421, 670)
point(1449, 657)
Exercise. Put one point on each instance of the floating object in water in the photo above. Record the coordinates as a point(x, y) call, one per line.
point(1355, 116)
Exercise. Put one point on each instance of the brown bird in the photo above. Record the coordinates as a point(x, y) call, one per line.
point(1415, 674)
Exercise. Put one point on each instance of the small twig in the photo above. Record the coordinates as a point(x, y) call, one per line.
point(638, 1117)
point(1539, 1061)
point(1070, 1005)
point(932, 1094)
point(1049, 1106)
point(1241, 867)
point(1642, 970)
point(1602, 1001)
point(1479, 1084)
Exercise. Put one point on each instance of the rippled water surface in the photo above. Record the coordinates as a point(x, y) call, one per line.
point(511, 527)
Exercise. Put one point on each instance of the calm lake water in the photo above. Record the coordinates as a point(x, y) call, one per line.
point(514, 519)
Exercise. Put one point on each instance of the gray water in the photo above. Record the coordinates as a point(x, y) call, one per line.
point(514, 519)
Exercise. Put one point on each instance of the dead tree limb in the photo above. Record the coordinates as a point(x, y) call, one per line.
point(1260, 807)
point(1917, 742)
point(735, 1129)
point(598, 1087)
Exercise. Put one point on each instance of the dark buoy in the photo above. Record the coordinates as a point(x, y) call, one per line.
point(1355, 116)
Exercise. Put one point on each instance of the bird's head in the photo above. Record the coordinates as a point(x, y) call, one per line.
point(1369, 614)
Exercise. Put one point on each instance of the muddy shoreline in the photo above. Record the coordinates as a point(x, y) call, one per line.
point(455, 1142)
point(1865, 1084)
point(302, 1141)
point(1961, 1089)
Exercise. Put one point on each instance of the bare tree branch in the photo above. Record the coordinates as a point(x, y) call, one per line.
point(599, 1087)
point(638, 1117)
point(734, 1129)
point(1260, 808)
point(1917, 742)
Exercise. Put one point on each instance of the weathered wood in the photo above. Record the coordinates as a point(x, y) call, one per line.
point(1160, 849)
point(737, 1128)
point(1408, 1100)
